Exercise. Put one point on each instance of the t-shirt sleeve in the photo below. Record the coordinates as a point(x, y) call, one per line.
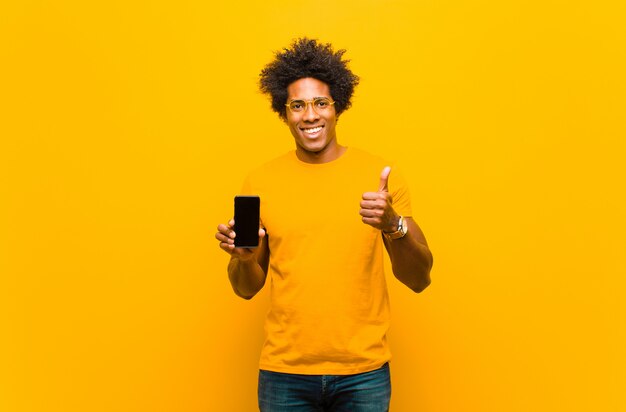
point(400, 193)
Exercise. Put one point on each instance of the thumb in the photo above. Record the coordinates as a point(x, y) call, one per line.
point(384, 177)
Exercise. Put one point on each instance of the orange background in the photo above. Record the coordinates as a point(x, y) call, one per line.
point(125, 131)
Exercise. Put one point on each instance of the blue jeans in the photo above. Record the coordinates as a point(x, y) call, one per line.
point(363, 392)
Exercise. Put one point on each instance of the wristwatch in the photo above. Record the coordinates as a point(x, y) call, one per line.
point(402, 230)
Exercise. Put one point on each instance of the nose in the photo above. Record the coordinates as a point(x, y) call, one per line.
point(310, 115)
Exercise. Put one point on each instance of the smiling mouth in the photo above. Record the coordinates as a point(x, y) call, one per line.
point(312, 130)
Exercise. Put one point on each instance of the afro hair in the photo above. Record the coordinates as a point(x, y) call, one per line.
point(308, 58)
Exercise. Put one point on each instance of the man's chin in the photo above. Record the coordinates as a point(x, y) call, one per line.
point(312, 147)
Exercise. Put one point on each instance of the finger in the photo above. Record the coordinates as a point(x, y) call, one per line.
point(384, 196)
point(228, 248)
point(224, 238)
point(231, 223)
point(261, 233)
point(375, 195)
point(373, 204)
point(374, 213)
point(226, 230)
point(384, 177)
point(372, 221)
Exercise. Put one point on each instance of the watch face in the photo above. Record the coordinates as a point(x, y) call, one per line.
point(402, 230)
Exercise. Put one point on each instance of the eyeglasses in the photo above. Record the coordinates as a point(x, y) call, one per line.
point(319, 104)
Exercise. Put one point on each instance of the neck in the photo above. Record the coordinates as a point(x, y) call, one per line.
point(327, 154)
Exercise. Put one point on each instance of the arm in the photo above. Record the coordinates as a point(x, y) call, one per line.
point(247, 269)
point(410, 256)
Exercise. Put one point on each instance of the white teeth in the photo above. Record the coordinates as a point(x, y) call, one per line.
point(313, 130)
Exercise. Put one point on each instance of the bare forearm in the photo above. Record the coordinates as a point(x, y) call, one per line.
point(411, 259)
point(246, 277)
point(247, 268)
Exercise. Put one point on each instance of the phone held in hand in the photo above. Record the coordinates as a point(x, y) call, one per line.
point(247, 216)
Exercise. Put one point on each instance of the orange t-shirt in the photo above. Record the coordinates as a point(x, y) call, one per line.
point(329, 307)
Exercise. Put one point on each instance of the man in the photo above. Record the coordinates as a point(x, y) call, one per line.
point(326, 346)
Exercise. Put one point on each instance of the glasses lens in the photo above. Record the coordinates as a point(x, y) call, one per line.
point(297, 105)
point(322, 103)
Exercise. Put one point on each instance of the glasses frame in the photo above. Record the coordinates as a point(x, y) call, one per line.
point(307, 102)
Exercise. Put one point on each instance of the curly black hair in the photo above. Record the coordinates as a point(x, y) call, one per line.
point(308, 58)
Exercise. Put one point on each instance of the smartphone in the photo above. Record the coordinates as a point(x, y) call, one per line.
point(247, 216)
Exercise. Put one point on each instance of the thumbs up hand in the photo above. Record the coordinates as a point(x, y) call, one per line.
point(376, 209)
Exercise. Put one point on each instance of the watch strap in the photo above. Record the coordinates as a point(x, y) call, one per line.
point(400, 232)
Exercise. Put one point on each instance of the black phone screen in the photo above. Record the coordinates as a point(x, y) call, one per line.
point(247, 215)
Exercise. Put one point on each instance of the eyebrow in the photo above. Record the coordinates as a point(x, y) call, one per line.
point(317, 97)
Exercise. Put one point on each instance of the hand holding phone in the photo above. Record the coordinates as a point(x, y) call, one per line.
point(247, 218)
